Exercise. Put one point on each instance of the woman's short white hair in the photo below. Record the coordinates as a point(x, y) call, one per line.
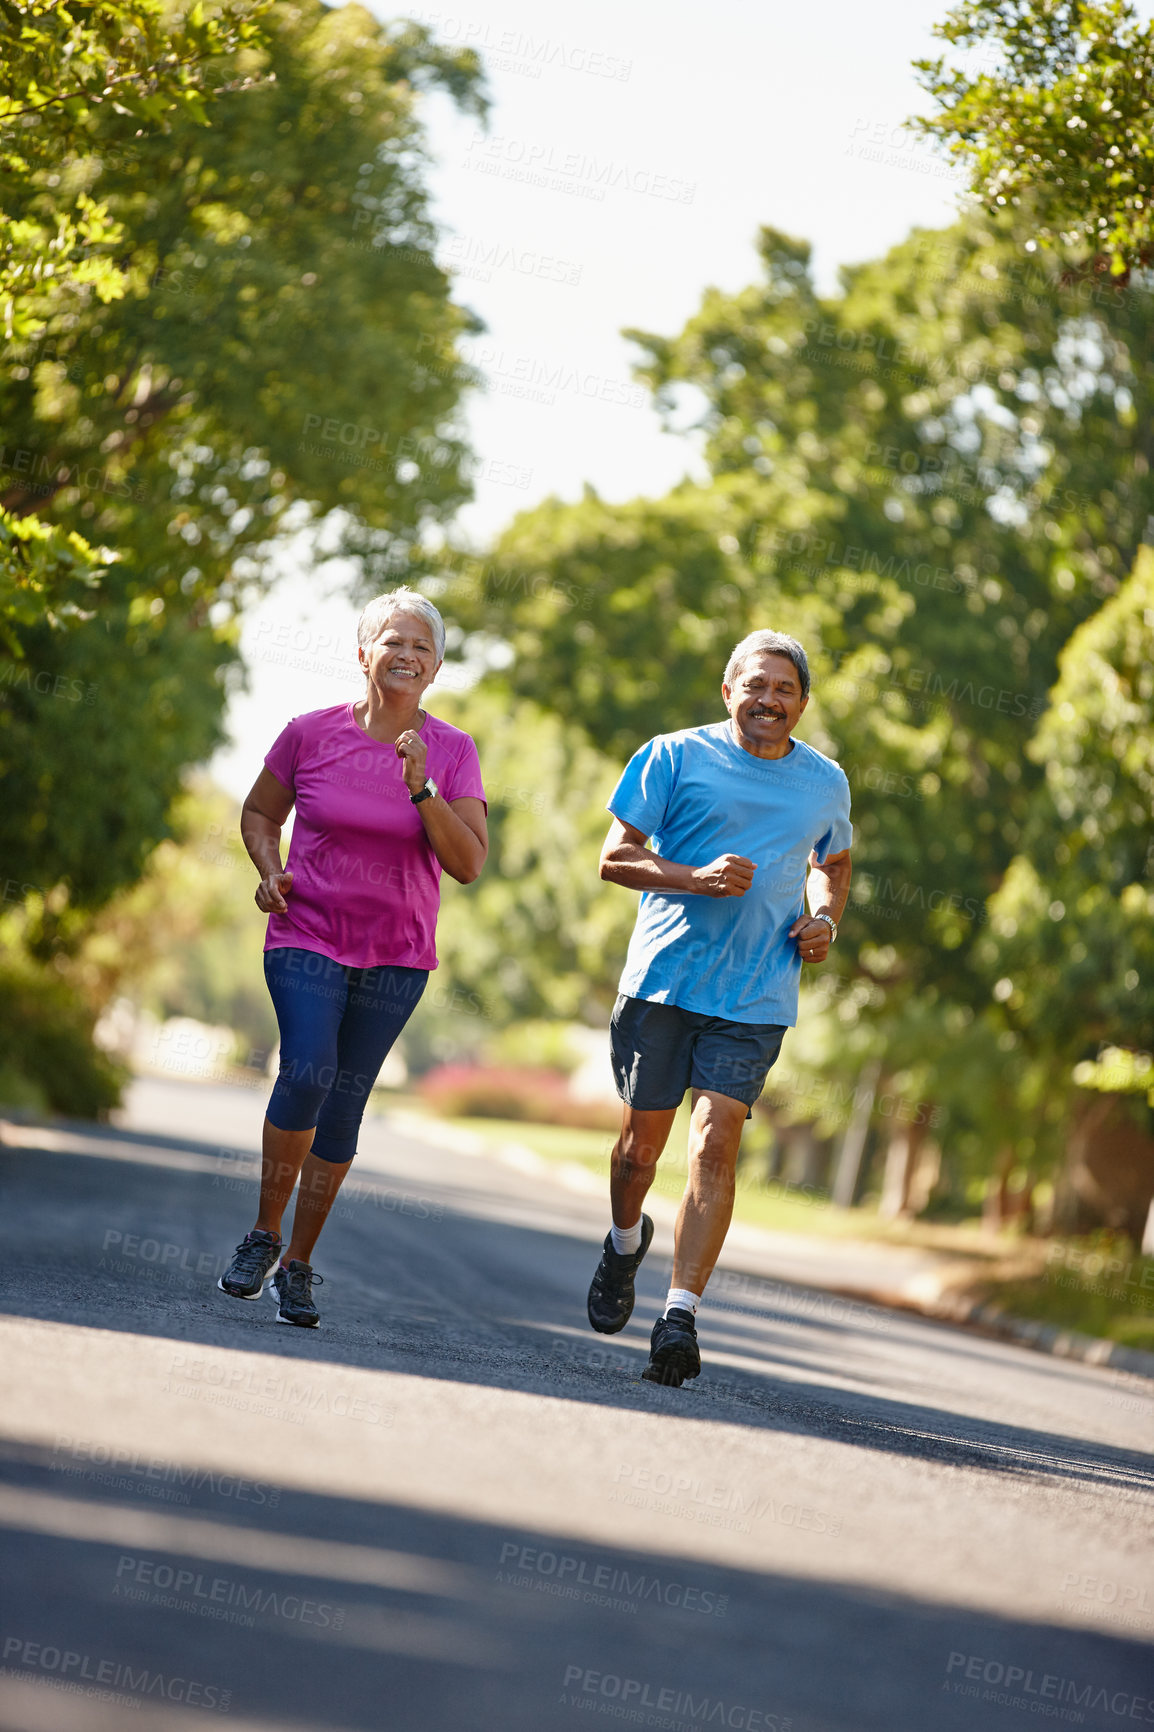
point(760, 643)
point(377, 613)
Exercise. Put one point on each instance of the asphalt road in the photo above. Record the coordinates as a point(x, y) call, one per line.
point(453, 1508)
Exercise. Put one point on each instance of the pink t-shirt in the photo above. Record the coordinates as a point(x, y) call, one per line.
point(366, 883)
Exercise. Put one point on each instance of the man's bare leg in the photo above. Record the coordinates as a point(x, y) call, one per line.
point(635, 1155)
point(702, 1223)
point(634, 1161)
point(707, 1205)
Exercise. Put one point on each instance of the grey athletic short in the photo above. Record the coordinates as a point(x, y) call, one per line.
point(660, 1050)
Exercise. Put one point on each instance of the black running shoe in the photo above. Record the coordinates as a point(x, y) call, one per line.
point(247, 1273)
point(292, 1283)
point(673, 1351)
point(610, 1303)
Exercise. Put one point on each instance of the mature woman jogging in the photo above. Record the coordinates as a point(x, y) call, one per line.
point(386, 796)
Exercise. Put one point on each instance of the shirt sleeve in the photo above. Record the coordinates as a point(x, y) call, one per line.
point(465, 777)
point(283, 755)
point(839, 834)
point(641, 797)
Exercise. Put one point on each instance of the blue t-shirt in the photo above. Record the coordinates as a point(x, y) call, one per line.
point(697, 794)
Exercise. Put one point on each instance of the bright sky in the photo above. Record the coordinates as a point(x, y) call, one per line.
point(631, 155)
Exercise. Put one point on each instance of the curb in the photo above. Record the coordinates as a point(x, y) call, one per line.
point(1047, 1337)
point(989, 1319)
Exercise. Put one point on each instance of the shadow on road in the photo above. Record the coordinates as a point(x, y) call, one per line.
point(321, 1612)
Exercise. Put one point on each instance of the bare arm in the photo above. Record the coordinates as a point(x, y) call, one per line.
point(458, 834)
point(626, 860)
point(827, 887)
point(826, 891)
point(458, 831)
point(262, 819)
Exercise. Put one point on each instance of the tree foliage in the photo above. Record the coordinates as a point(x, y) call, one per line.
point(1051, 113)
point(97, 725)
point(933, 479)
point(538, 934)
point(1072, 924)
point(47, 574)
point(61, 67)
point(213, 408)
point(249, 282)
point(185, 939)
point(258, 345)
point(50, 1062)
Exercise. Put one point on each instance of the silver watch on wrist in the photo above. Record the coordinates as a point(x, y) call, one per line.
point(830, 922)
point(430, 788)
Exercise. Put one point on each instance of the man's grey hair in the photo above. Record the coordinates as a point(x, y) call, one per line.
point(760, 643)
point(378, 612)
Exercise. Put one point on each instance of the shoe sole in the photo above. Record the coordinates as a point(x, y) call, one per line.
point(282, 1317)
point(672, 1366)
point(615, 1326)
point(298, 1322)
point(232, 1295)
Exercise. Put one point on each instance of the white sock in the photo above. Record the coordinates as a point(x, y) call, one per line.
point(626, 1240)
point(681, 1299)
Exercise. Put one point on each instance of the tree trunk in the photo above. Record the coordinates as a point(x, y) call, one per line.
point(802, 1164)
point(901, 1158)
point(1108, 1178)
point(854, 1136)
point(996, 1202)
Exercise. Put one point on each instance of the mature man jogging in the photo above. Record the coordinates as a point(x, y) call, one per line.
point(746, 824)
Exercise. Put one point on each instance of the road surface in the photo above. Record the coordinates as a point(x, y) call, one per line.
point(452, 1508)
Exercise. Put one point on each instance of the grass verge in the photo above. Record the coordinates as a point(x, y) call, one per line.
point(773, 1205)
point(1098, 1290)
point(1093, 1285)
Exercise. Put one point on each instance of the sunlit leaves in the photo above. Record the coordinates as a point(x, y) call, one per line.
point(1075, 912)
point(46, 573)
point(1051, 109)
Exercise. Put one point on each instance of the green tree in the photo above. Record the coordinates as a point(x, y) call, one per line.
point(932, 478)
point(213, 408)
point(263, 251)
point(1050, 111)
point(1071, 941)
point(203, 414)
point(538, 934)
point(59, 67)
point(49, 1062)
point(97, 725)
point(186, 939)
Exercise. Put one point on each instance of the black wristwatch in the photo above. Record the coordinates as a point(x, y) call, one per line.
point(426, 793)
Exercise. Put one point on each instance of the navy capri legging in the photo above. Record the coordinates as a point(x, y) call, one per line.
point(336, 1027)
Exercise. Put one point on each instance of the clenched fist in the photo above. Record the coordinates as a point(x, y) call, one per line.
point(411, 750)
point(728, 875)
point(813, 938)
point(271, 892)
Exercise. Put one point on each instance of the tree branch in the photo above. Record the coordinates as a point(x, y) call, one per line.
point(21, 500)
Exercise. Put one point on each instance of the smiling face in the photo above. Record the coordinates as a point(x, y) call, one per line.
point(765, 704)
point(402, 658)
